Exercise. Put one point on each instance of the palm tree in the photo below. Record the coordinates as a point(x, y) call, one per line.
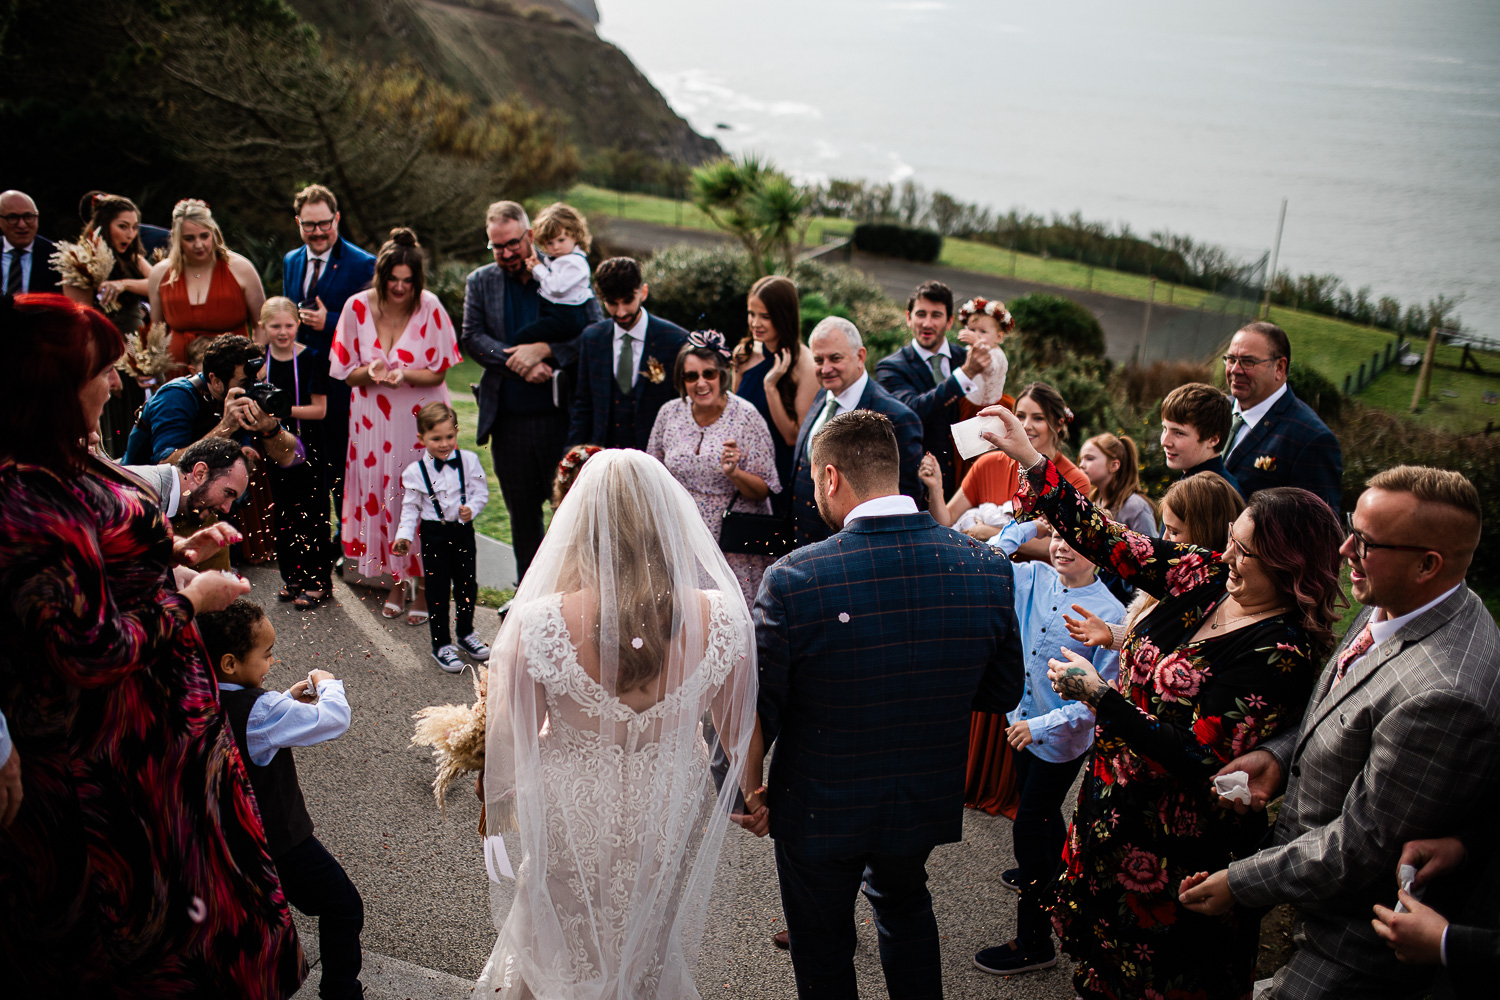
point(757, 203)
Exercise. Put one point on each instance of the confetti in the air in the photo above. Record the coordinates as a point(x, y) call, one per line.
point(637, 642)
point(843, 616)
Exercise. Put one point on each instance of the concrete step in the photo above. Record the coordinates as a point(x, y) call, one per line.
point(387, 978)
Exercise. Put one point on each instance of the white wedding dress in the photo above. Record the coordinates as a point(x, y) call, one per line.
point(611, 808)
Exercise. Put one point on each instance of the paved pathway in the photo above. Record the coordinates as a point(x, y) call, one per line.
point(425, 891)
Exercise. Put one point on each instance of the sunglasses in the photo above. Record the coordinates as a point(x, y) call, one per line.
point(711, 375)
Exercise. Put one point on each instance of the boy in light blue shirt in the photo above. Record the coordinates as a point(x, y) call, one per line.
point(1051, 737)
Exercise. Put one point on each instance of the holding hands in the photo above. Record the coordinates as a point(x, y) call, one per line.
point(930, 473)
point(1091, 630)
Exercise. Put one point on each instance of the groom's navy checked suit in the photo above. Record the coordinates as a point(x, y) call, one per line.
point(874, 647)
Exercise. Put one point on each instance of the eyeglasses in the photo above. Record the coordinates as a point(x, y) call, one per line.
point(1244, 364)
point(509, 246)
point(711, 375)
point(1363, 545)
point(1234, 543)
point(16, 218)
point(318, 226)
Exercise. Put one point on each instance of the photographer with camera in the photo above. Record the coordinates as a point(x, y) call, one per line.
point(224, 401)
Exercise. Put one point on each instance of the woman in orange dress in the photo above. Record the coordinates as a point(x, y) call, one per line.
point(995, 478)
point(202, 288)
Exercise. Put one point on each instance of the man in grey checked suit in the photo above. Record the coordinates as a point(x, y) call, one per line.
point(1401, 741)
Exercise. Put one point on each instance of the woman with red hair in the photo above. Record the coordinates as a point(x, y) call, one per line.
point(1226, 660)
point(134, 863)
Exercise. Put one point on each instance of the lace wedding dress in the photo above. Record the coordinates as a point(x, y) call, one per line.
point(609, 801)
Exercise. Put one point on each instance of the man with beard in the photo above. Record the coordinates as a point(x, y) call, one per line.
point(523, 397)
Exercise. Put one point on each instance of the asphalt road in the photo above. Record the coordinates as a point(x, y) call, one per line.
point(423, 880)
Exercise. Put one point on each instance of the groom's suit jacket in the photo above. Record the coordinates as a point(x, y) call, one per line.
point(1405, 747)
point(875, 645)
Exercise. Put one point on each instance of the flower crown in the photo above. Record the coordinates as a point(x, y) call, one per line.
point(713, 340)
point(576, 456)
point(989, 307)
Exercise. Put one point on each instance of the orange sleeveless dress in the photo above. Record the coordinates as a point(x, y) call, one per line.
point(222, 312)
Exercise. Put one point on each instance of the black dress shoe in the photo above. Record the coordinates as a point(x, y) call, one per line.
point(782, 940)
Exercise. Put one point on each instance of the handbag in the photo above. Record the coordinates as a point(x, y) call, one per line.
point(754, 534)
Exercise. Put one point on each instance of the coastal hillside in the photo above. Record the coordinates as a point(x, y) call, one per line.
point(545, 51)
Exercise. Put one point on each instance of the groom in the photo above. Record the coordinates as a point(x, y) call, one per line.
point(875, 645)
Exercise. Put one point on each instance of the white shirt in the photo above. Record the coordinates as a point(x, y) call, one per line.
point(26, 262)
point(945, 352)
point(1380, 631)
point(416, 505)
point(278, 720)
point(307, 274)
point(1253, 415)
point(846, 400)
point(637, 334)
point(890, 506)
point(564, 280)
point(169, 510)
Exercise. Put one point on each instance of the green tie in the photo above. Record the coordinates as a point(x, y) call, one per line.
point(1234, 429)
point(828, 410)
point(936, 361)
point(626, 367)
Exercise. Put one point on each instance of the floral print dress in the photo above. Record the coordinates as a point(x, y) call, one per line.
point(383, 437)
point(691, 453)
point(1147, 815)
point(137, 864)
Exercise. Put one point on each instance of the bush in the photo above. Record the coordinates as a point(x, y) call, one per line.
point(1084, 384)
point(890, 240)
point(1050, 329)
point(449, 281)
point(1145, 387)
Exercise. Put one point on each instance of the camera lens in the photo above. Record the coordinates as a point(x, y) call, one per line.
point(271, 400)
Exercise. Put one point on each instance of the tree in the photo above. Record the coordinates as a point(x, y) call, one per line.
point(758, 204)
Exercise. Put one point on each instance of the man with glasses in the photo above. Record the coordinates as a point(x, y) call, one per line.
point(25, 257)
point(524, 394)
point(320, 276)
point(1401, 741)
point(1275, 439)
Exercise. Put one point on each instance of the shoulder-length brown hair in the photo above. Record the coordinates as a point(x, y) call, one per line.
point(779, 296)
point(401, 248)
point(59, 345)
point(1297, 539)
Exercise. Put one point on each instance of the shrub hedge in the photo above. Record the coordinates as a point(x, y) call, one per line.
point(890, 240)
point(1050, 328)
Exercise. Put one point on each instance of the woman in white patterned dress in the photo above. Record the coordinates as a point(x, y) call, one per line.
point(628, 627)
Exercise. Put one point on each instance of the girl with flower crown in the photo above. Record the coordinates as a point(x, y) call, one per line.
point(717, 445)
point(986, 323)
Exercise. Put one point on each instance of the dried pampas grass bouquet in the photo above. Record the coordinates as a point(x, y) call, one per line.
point(456, 735)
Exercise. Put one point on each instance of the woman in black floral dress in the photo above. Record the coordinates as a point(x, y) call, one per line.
point(1226, 660)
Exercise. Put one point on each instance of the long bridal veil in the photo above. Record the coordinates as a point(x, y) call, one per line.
point(628, 628)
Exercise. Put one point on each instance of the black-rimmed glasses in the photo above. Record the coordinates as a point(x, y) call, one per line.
point(317, 226)
point(1363, 545)
point(509, 246)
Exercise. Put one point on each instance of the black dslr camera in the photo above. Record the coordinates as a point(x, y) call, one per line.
point(271, 400)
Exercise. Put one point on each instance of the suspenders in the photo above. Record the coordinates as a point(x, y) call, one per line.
point(463, 487)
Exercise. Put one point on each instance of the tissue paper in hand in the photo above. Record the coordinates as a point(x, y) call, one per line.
point(1234, 786)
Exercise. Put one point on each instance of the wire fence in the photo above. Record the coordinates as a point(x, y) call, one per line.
point(1176, 333)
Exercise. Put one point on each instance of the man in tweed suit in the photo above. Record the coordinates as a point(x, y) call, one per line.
point(523, 401)
point(1275, 439)
point(875, 645)
point(1401, 741)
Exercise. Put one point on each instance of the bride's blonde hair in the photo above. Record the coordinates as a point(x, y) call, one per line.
point(195, 211)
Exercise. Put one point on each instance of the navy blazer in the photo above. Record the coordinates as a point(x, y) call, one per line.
point(44, 277)
point(596, 374)
point(874, 647)
point(1290, 446)
point(907, 377)
point(349, 270)
point(807, 524)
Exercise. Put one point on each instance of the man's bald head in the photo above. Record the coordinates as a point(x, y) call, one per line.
point(18, 218)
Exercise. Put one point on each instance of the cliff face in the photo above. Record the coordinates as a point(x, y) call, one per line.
point(544, 50)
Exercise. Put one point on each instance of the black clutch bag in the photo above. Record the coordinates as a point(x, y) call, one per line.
point(754, 534)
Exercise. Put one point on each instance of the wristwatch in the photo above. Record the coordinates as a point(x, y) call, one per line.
point(266, 436)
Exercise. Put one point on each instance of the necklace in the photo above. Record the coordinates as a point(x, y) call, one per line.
point(1218, 622)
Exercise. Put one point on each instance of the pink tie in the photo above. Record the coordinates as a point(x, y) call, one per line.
point(1359, 647)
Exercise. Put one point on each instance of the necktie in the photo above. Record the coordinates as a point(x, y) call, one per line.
point(312, 282)
point(1359, 647)
point(829, 408)
point(625, 367)
point(936, 361)
point(1234, 430)
point(13, 276)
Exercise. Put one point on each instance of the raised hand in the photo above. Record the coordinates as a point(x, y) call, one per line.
point(205, 543)
point(1091, 630)
point(781, 363)
point(930, 473)
point(729, 458)
point(1265, 780)
point(1012, 439)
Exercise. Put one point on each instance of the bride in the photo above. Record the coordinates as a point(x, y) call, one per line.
point(628, 627)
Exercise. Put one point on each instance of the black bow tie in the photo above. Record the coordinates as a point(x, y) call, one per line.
point(448, 463)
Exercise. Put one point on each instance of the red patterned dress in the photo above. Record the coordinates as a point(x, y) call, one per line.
point(383, 427)
point(1147, 816)
point(137, 865)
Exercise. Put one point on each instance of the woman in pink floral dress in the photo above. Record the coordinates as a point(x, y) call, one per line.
point(1225, 661)
point(717, 445)
point(393, 344)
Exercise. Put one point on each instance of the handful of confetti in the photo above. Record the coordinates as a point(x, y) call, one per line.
point(456, 735)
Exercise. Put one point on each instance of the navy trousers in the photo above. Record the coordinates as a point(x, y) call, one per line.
point(315, 883)
point(448, 562)
point(1038, 836)
point(817, 895)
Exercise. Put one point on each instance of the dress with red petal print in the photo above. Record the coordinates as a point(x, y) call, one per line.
point(383, 427)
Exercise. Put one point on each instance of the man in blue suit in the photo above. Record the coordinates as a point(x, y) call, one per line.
point(624, 363)
point(874, 647)
point(931, 374)
point(320, 276)
point(839, 353)
point(1275, 439)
